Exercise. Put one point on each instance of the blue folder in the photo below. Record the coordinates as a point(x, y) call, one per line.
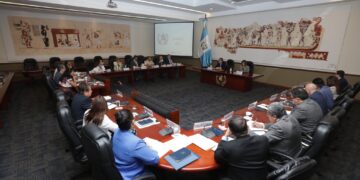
point(181, 158)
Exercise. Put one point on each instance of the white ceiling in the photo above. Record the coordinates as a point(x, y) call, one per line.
point(162, 10)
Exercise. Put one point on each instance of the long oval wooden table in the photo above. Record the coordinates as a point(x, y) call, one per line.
point(206, 162)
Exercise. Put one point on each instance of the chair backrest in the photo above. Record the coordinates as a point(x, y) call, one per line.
point(30, 64)
point(60, 95)
point(320, 137)
point(98, 148)
point(251, 67)
point(356, 89)
point(299, 168)
point(97, 59)
point(79, 61)
point(230, 65)
point(338, 112)
point(112, 58)
point(53, 62)
point(346, 104)
point(65, 121)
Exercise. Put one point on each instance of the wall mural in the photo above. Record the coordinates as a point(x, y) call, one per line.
point(298, 37)
point(58, 36)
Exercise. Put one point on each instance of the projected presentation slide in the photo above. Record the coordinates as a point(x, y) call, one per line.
point(174, 38)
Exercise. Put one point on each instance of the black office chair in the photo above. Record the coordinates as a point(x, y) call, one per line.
point(296, 169)
point(97, 59)
point(99, 150)
point(112, 58)
point(338, 112)
point(356, 89)
point(65, 121)
point(321, 136)
point(79, 62)
point(30, 64)
point(230, 64)
point(53, 62)
point(251, 67)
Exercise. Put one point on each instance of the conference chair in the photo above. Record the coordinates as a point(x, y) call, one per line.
point(338, 112)
point(345, 102)
point(30, 64)
point(72, 136)
point(79, 63)
point(112, 58)
point(98, 148)
point(321, 136)
point(230, 65)
point(53, 62)
point(356, 89)
point(96, 60)
point(251, 67)
point(297, 169)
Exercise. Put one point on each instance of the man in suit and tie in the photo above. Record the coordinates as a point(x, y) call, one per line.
point(307, 111)
point(284, 131)
point(245, 156)
point(221, 64)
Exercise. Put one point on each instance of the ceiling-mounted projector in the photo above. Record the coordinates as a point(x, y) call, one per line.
point(112, 4)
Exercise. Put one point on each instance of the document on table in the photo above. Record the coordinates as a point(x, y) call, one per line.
point(179, 141)
point(257, 131)
point(202, 142)
point(111, 105)
point(157, 146)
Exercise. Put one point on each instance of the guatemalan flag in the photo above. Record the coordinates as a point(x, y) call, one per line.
point(205, 47)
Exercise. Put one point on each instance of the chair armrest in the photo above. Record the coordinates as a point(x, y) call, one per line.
point(278, 159)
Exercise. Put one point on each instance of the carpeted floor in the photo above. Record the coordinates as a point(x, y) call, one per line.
point(33, 147)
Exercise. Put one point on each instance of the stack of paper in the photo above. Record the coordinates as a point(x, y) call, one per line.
point(179, 141)
point(111, 105)
point(258, 131)
point(157, 146)
point(202, 142)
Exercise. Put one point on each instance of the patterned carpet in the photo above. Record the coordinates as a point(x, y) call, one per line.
point(33, 147)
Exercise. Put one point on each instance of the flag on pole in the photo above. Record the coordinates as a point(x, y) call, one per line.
point(205, 47)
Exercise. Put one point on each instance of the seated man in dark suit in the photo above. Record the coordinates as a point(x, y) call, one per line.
point(284, 131)
point(221, 64)
point(245, 156)
point(306, 111)
point(343, 83)
point(81, 101)
point(316, 95)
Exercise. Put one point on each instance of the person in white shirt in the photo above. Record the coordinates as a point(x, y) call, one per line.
point(97, 115)
point(169, 60)
point(118, 65)
point(149, 63)
point(100, 68)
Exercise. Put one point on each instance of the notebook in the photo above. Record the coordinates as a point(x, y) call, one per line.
point(181, 158)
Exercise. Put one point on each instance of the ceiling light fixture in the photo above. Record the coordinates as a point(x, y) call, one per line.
point(170, 6)
point(78, 11)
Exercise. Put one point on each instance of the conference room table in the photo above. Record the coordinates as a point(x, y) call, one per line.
point(241, 82)
point(98, 87)
point(171, 70)
point(206, 162)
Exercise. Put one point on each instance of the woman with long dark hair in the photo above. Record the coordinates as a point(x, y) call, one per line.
point(97, 115)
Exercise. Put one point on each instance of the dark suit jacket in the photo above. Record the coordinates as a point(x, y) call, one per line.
point(244, 158)
point(285, 136)
point(222, 65)
point(320, 99)
point(79, 105)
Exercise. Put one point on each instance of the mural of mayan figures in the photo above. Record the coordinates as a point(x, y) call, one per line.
point(303, 35)
point(25, 30)
point(61, 36)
